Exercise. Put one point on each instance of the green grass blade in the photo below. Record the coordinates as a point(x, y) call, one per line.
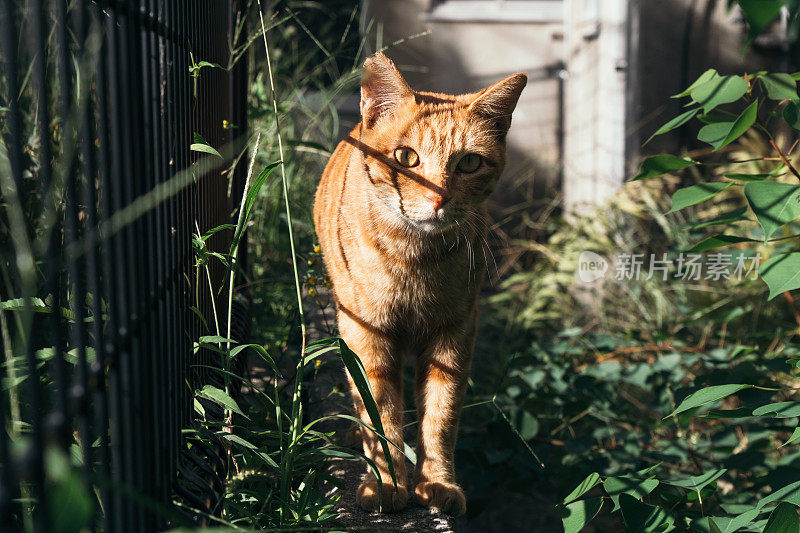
point(356, 370)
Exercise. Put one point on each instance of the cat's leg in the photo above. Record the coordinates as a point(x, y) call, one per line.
point(441, 383)
point(383, 367)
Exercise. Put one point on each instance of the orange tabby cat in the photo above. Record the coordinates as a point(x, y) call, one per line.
point(400, 218)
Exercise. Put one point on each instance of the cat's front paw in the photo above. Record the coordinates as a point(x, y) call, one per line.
point(394, 498)
point(445, 496)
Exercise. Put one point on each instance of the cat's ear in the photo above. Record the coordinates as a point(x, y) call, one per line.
point(498, 101)
point(382, 88)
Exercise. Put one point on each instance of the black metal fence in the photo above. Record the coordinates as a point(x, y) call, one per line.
point(101, 195)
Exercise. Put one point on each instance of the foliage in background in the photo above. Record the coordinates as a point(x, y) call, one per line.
point(739, 418)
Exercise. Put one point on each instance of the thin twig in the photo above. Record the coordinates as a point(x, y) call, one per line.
point(785, 161)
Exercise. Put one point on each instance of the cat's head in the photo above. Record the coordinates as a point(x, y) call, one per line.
point(431, 159)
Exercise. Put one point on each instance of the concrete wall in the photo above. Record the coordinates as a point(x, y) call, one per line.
point(595, 102)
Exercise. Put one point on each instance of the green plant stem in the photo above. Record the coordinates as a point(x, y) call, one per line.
point(12, 375)
point(297, 411)
point(283, 176)
point(511, 426)
point(232, 274)
point(213, 300)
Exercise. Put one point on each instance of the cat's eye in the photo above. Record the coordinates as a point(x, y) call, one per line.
point(406, 156)
point(469, 163)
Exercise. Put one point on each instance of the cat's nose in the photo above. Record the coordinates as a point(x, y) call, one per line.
point(438, 201)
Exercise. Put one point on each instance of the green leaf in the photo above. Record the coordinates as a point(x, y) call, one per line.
point(742, 124)
point(718, 414)
point(260, 350)
point(718, 91)
point(359, 376)
point(70, 506)
point(717, 241)
point(704, 77)
point(211, 339)
point(585, 486)
point(616, 486)
point(707, 395)
point(676, 122)
point(783, 519)
point(791, 114)
point(759, 13)
point(236, 439)
point(747, 177)
point(201, 145)
point(658, 165)
point(219, 397)
point(208, 64)
point(773, 203)
point(726, 218)
point(789, 493)
point(779, 86)
point(196, 147)
point(695, 194)
point(37, 305)
point(702, 494)
point(781, 273)
point(250, 199)
point(777, 171)
point(730, 525)
point(212, 231)
point(696, 483)
point(779, 410)
point(714, 134)
point(643, 518)
point(712, 118)
point(793, 438)
point(576, 515)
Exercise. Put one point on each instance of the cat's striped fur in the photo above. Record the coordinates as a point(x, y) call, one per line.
point(404, 246)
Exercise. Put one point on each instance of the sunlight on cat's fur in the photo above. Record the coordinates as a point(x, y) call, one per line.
point(400, 218)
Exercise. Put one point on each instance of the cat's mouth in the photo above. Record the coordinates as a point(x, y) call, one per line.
point(432, 225)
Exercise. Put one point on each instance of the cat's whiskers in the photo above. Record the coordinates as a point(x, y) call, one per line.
point(473, 221)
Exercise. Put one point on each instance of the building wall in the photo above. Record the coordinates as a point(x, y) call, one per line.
point(595, 102)
point(581, 134)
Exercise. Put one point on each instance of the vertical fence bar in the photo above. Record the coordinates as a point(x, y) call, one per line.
point(165, 74)
point(184, 104)
point(117, 136)
point(135, 233)
point(147, 311)
point(109, 164)
point(35, 404)
point(164, 360)
point(8, 41)
point(75, 266)
point(120, 177)
point(94, 148)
